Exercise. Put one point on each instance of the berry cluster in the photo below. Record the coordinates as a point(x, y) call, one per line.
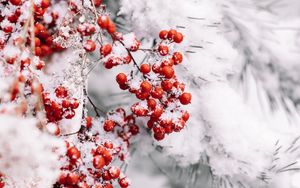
point(124, 125)
point(43, 30)
point(90, 164)
point(159, 90)
point(62, 106)
point(43, 41)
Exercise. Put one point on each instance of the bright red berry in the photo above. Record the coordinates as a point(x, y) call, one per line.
point(15, 2)
point(177, 58)
point(72, 178)
point(121, 78)
point(167, 71)
point(146, 86)
point(124, 182)
point(73, 153)
point(111, 28)
point(163, 50)
point(166, 85)
point(171, 34)
point(98, 162)
point(109, 125)
point(157, 93)
point(105, 49)
point(134, 129)
point(163, 34)
point(103, 21)
point(97, 3)
point(178, 38)
point(145, 68)
point(61, 92)
point(88, 121)
point(151, 103)
point(185, 116)
point(185, 98)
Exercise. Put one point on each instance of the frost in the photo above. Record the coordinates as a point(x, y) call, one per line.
point(27, 155)
point(129, 40)
point(47, 18)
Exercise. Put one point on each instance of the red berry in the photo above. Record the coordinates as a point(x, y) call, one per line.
point(61, 92)
point(88, 121)
point(97, 3)
point(40, 65)
point(179, 125)
point(178, 38)
point(135, 46)
point(69, 113)
point(166, 85)
point(114, 172)
point(146, 86)
point(107, 156)
point(134, 129)
point(74, 103)
point(72, 178)
point(37, 41)
point(62, 178)
point(98, 162)
point(103, 21)
point(46, 50)
point(167, 71)
point(124, 86)
point(121, 78)
point(177, 58)
point(124, 182)
point(37, 51)
point(151, 103)
point(150, 123)
point(156, 68)
point(163, 34)
point(49, 41)
point(106, 175)
point(159, 136)
point(145, 68)
point(109, 125)
point(157, 112)
point(73, 153)
point(108, 145)
point(15, 2)
point(157, 93)
point(185, 98)
point(165, 123)
point(111, 28)
point(163, 50)
point(180, 86)
point(105, 49)
point(45, 4)
point(90, 46)
point(171, 34)
point(138, 110)
point(142, 95)
point(185, 116)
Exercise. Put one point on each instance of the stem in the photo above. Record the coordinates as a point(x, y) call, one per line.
point(95, 107)
point(134, 62)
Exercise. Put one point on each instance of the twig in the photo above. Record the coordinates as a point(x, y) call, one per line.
point(95, 107)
